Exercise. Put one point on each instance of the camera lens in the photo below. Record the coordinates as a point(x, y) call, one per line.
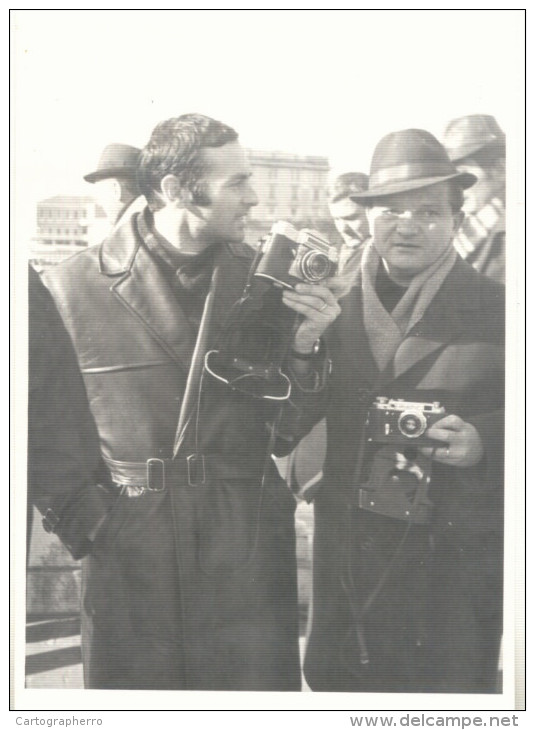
point(315, 266)
point(412, 424)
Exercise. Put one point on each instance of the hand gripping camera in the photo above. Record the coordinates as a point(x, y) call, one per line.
point(290, 256)
point(259, 329)
point(397, 474)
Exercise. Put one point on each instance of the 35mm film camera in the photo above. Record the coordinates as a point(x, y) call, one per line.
point(255, 338)
point(396, 421)
point(397, 474)
point(290, 256)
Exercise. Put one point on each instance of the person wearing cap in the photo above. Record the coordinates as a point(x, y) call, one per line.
point(349, 216)
point(476, 144)
point(407, 584)
point(115, 181)
point(185, 525)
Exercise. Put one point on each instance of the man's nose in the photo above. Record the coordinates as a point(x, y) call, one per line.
point(407, 223)
point(250, 198)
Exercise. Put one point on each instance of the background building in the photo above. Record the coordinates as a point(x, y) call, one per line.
point(66, 224)
point(289, 187)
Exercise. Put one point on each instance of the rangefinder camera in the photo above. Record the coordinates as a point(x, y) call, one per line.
point(398, 421)
point(289, 256)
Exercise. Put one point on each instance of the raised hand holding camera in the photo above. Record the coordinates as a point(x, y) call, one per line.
point(318, 308)
point(260, 332)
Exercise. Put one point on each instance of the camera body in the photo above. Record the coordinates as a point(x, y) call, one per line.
point(396, 421)
point(289, 256)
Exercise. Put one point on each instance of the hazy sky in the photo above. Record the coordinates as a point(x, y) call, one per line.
point(311, 82)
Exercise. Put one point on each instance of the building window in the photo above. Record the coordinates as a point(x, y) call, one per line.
point(272, 192)
point(272, 174)
point(295, 192)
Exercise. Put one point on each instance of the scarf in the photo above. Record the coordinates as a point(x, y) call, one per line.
point(385, 330)
point(476, 228)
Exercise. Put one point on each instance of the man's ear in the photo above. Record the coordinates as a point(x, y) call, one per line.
point(115, 190)
point(458, 218)
point(172, 191)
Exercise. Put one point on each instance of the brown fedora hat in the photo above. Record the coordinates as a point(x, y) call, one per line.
point(466, 136)
point(116, 160)
point(409, 160)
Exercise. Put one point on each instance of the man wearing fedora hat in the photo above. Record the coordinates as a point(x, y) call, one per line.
point(476, 144)
point(407, 592)
point(349, 216)
point(115, 181)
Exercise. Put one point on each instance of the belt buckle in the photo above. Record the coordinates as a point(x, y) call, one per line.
point(193, 470)
point(155, 475)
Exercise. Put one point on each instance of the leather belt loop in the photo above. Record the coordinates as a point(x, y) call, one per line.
point(156, 475)
point(156, 481)
point(196, 469)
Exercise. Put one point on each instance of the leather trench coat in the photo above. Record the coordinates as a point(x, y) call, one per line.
point(194, 586)
point(436, 623)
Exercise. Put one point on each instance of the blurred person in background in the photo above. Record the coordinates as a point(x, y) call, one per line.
point(476, 144)
point(115, 183)
point(349, 216)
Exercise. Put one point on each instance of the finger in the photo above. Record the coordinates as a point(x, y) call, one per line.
point(321, 316)
point(316, 290)
point(313, 302)
point(451, 421)
point(440, 453)
point(312, 306)
point(439, 434)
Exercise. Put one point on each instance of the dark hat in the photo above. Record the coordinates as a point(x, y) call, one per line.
point(466, 136)
point(347, 183)
point(117, 160)
point(409, 160)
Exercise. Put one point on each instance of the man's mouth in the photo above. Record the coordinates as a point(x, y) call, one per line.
point(406, 244)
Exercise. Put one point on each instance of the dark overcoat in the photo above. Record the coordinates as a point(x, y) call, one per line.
point(435, 625)
point(193, 587)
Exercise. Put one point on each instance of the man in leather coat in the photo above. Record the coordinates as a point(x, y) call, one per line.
point(187, 535)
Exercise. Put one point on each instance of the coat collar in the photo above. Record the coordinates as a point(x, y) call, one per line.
point(141, 287)
point(442, 322)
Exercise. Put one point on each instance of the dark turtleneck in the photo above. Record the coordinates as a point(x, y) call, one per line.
point(189, 275)
point(388, 291)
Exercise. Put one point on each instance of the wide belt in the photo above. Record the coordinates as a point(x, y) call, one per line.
point(156, 475)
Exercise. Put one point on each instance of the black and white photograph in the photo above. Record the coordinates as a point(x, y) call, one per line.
point(267, 356)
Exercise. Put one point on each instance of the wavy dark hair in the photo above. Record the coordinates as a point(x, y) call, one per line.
point(174, 149)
